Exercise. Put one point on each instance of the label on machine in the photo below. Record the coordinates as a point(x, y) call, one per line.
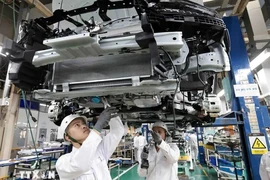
point(258, 143)
point(252, 116)
point(247, 91)
point(242, 90)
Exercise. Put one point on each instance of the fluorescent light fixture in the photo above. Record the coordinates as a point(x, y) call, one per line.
point(207, 0)
point(260, 59)
point(44, 105)
point(221, 93)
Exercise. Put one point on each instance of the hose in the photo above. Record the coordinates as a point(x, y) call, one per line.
point(29, 125)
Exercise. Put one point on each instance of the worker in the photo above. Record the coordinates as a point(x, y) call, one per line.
point(41, 141)
point(159, 160)
point(193, 145)
point(91, 152)
point(265, 167)
point(140, 143)
point(135, 143)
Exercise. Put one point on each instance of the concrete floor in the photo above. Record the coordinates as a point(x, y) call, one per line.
point(199, 173)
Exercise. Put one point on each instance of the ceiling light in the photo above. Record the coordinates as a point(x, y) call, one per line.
point(207, 0)
point(44, 105)
point(260, 59)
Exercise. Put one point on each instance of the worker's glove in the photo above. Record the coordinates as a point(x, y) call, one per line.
point(105, 118)
point(144, 157)
point(156, 137)
point(145, 153)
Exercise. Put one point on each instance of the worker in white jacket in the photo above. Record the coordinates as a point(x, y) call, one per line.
point(140, 143)
point(159, 161)
point(90, 153)
point(265, 166)
point(193, 144)
point(135, 143)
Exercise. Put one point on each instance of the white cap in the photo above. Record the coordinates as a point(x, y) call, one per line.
point(66, 121)
point(162, 125)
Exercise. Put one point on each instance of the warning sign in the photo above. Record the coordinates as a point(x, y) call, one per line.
point(258, 143)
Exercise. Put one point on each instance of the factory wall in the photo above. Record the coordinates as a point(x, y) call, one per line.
point(22, 136)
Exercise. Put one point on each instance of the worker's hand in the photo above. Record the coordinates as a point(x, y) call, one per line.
point(145, 153)
point(105, 118)
point(144, 157)
point(156, 137)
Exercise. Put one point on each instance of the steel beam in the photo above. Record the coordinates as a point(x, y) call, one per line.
point(40, 7)
point(10, 121)
point(239, 7)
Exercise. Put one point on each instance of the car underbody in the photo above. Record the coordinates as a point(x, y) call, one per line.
point(159, 64)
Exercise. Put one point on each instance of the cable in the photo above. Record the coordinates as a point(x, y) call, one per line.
point(110, 23)
point(29, 111)
point(198, 70)
point(14, 17)
point(176, 75)
point(186, 66)
point(29, 125)
point(178, 78)
point(183, 101)
point(174, 119)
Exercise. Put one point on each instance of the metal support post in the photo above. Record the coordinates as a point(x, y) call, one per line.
point(200, 139)
point(22, 14)
point(10, 121)
point(3, 112)
point(13, 108)
point(255, 118)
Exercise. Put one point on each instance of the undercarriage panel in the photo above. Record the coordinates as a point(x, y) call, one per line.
point(98, 69)
point(144, 87)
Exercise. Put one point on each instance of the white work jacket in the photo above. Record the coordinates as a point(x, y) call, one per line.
point(192, 141)
point(140, 142)
point(162, 164)
point(265, 166)
point(135, 141)
point(89, 162)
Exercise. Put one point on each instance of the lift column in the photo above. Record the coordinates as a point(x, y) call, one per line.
point(255, 117)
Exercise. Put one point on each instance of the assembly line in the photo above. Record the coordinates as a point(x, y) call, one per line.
point(135, 89)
